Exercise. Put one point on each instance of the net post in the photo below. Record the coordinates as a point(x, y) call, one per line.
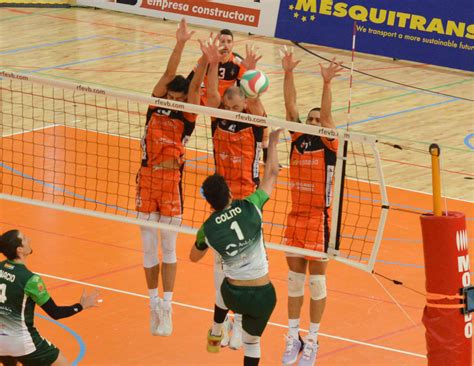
point(435, 152)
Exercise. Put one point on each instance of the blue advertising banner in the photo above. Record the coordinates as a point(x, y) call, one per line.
point(437, 32)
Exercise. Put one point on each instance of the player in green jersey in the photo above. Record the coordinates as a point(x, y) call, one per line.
point(20, 291)
point(234, 232)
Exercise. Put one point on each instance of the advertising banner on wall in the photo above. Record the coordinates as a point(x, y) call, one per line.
point(240, 15)
point(429, 31)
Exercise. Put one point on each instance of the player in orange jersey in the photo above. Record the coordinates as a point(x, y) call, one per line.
point(312, 163)
point(159, 196)
point(230, 67)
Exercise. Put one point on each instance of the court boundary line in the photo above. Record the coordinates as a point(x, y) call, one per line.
point(28, 131)
point(74, 334)
point(111, 289)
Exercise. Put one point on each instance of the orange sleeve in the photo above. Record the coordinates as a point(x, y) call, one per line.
point(241, 71)
point(331, 144)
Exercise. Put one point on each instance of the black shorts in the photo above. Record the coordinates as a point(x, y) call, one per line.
point(255, 303)
point(46, 354)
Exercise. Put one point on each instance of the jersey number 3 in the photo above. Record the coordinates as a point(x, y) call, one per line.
point(3, 293)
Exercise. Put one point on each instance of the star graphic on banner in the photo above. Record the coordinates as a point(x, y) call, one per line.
point(312, 17)
point(291, 7)
point(296, 15)
point(303, 19)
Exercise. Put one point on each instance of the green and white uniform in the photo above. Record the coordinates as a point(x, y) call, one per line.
point(235, 233)
point(20, 291)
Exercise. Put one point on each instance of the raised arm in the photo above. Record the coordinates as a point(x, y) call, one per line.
point(271, 166)
point(289, 90)
point(182, 36)
point(254, 105)
point(197, 78)
point(328, 73)
point(211, 50)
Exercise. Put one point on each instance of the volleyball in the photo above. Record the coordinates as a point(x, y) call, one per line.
point(253, 83)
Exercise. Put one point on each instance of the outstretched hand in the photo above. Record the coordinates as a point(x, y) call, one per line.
point(287, 62)
point(251, 57)
point(210, 49)
point(330, 72)
point(89, 300)
point(182, 33)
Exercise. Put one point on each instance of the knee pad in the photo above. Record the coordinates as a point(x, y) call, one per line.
point(150, 246)
point(251, 345)
point(296, 284)
point(317, 286)
point(168, 239)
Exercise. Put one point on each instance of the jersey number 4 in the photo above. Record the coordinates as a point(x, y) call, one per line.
point(3, 293)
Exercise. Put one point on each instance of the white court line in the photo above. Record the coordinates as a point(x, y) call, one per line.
point(212, 311)
point(26, 131)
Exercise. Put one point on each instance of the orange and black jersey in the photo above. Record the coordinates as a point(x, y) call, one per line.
point(229, 73)
point(166, 133)
point(312, 163)
point(237, 148)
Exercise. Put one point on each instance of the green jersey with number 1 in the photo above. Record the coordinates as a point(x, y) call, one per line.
point(235, 233)
point(20, 290)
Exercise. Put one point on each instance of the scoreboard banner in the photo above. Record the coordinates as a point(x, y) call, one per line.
point(427, 31)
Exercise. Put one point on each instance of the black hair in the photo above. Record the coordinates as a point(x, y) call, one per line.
point(216, 191)
point(315, 109)
point(179, 84)
point(226, 32)
point(9, 241)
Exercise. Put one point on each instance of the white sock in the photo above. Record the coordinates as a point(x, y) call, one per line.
point(238, 320)
point(167, 297)
point(313, 331)
point(293, 327)
point(216, 329)
point(153, 294)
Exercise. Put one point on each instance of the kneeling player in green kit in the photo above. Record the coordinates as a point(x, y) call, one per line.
point(234, 231)
point(20, 290)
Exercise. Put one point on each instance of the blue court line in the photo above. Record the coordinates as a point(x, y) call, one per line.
point(77, 337)
point(95, 59)
point(467, 141)
point(43, 45)
point(399, 112)
point(133, 42)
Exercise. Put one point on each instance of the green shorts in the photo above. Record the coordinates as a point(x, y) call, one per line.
point(255, 303)
point(46, 353)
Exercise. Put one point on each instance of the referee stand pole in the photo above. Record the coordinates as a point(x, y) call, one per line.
point(445, 247)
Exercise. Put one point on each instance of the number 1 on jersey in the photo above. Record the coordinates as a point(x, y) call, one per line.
point(235, 226)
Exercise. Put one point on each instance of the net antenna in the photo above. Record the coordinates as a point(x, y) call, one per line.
point(76, 148)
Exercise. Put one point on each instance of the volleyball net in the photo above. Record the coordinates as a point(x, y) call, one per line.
point(78, 148)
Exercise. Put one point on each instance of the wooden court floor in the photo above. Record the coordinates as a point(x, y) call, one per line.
point(362, 324)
